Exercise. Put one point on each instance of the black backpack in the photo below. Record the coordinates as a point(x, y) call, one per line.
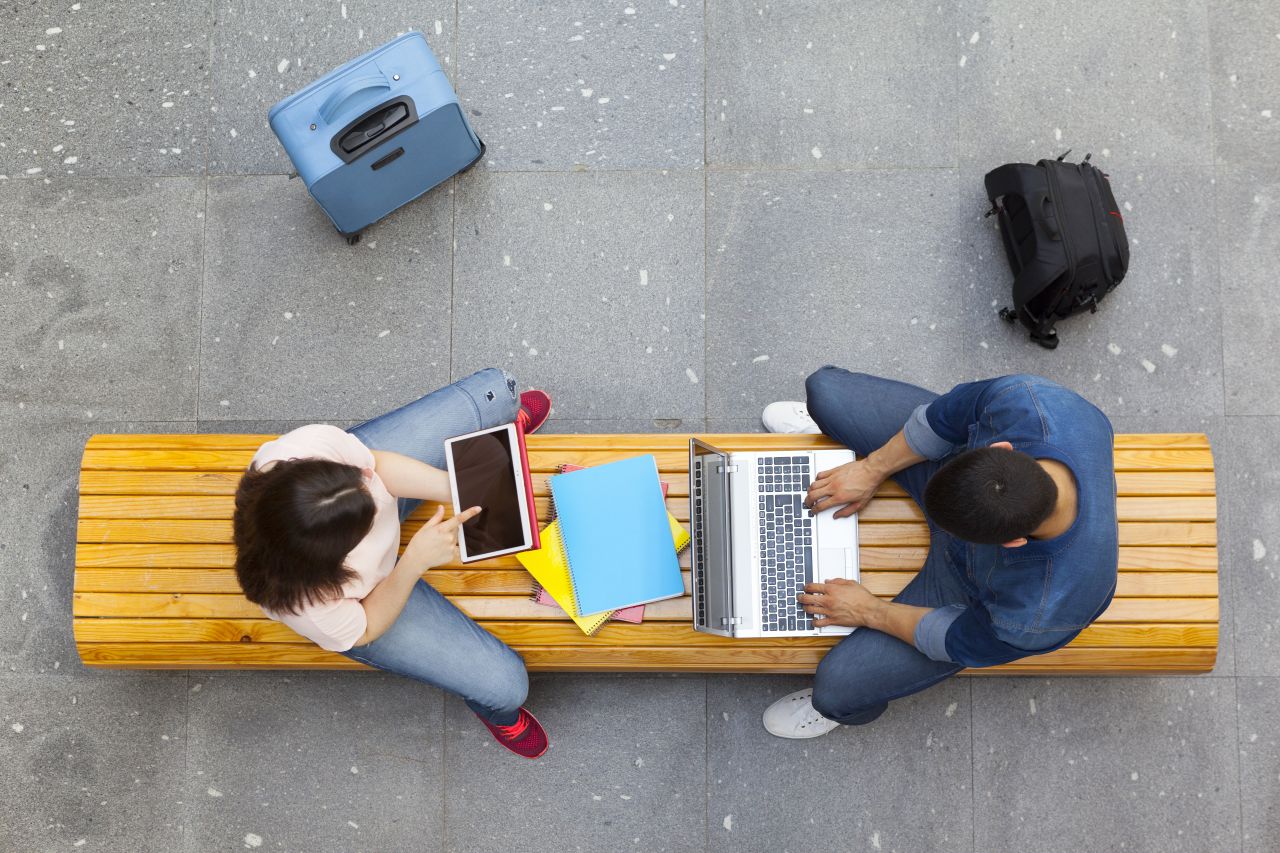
point(1065, 239)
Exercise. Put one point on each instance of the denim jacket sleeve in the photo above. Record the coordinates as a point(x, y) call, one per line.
point(972, 640)
point(938, 428)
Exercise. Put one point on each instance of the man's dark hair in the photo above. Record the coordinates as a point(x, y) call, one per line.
point(990, 496)
point(294, 525)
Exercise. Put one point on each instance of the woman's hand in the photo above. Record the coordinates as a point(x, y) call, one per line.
point(850, 486)
point(840, 602)
point(437, 542)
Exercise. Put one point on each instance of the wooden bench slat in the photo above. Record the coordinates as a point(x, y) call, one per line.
point(669, 461)
point(524, 634)
point(168, 484)
point(634, 443)
point(154, 507)
point(144, 605)
point(517, 581)
point(667, 659)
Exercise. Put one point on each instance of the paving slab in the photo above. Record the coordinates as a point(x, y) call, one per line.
point(297, 325)
point(104, 89)
point(1141, 764)
point(1244, 57)
point(589, 285)
point(1248, 208)
point(1125, 82)
point(102, 289)
point(92, 763)
point(626, 769)
point(314, 763)
point(1259, 762)
point(264, 51)
point(570, 85)
point(900, 783)
point(804, 269)
point(797, 84)
point(1155, 345)
point(1252, 547)
point(41, 470)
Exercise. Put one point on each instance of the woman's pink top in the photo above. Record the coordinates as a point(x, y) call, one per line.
point(336, 624)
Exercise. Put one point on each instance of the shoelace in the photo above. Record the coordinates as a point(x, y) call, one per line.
point(514, 730)
point(522, 418)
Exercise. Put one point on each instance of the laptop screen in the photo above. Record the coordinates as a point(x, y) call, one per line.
point(709, 517)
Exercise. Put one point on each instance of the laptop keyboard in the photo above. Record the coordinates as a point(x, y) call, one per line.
point(786, 542)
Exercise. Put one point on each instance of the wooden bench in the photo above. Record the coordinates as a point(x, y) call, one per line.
point(155, 588)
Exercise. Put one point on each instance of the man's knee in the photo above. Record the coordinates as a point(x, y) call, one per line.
point(830, 391)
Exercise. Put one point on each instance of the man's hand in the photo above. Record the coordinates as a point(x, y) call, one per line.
point(437, 542)
point(850, 486)
point(840, 602)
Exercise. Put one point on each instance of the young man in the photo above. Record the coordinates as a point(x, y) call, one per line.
point(1016, 479)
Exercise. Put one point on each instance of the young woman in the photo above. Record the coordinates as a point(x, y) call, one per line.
point(317, 529)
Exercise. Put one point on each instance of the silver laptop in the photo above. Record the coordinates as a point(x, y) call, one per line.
point(755, 546)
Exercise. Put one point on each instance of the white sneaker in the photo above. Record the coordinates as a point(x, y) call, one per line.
point(789, 417)
point(793, 717)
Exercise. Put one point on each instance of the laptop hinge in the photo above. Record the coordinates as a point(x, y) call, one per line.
point(726, 469)
point(730, 620)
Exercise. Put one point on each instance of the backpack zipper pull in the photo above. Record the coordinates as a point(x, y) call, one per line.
point(1063, 155)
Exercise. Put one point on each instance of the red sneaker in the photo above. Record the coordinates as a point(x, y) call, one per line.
point(525, 737)
point(535, 406)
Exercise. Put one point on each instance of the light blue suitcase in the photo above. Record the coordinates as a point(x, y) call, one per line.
point(376, 133)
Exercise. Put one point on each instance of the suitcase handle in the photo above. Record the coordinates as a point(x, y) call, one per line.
point(329, 109)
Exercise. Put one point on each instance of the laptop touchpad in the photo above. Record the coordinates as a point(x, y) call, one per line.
point(835, 563)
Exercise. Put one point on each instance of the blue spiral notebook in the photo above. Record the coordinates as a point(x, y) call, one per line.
point(617, 539)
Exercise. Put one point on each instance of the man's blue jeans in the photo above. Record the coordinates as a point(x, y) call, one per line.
point(860, 676)
point(432, 640)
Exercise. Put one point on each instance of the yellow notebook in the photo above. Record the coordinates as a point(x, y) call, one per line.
point(549, 569)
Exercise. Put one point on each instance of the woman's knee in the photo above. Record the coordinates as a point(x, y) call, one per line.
point(505, 682)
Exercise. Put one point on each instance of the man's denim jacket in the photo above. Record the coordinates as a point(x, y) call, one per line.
point(1036, 598)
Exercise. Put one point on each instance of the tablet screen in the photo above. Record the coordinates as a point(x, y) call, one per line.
point(484, 470)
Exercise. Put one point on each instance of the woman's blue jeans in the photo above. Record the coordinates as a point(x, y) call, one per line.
point(432, 640)
point(867, 669)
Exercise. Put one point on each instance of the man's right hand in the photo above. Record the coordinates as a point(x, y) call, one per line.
point(437, 542)
point(847, 489)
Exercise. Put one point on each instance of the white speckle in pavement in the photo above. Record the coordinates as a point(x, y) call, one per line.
point(1266, 113)
point(693, 377)
point(353, 824)
point(252, 840)
point(1168, 350)
point(53, 31)
point(1032, 706)
point(1114, 349)
point(282, 66)
point(1259, 551)
point(167, 105)
point(439, 27)
point(587, 93)
point(963, 60)
point(224, 402)
point(973, 39)
point(628, 11)
point(816, 152)
point(35, 170)
point(80, 842)
point(728, 822)
point(344, 11)
point(759, 359)
point(668, 56)
point(546, 205)
point(875, 840)
point(1128, 206)
point(1133, 777)
point(17, 727)
point(984, 344)
point(1057, 134)
point(70, 161)
point(644, 277)
point(288, 315)
point(214, 792)
point(40, 47)
point(506, 260)
point(233, 133)
point(1106, 152)
point(1148, 365)
point(355, 771)
point(252, 73)
point(384, 333)
point(951, 709)
point(602, 101)
point(596, 797)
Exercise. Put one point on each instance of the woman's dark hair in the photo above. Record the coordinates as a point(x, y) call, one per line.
point(294, 525)
point(990, 496)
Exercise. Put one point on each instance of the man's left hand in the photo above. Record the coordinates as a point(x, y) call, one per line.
point(840, 602)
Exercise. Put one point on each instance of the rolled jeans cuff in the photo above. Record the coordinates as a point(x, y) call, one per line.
point(931, 631)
